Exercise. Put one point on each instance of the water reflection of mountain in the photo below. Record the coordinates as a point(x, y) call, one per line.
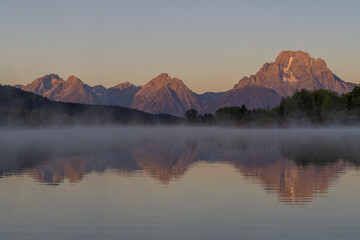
point(296, 171)
point(166, 161)
point(294, 184)
point(73, 168)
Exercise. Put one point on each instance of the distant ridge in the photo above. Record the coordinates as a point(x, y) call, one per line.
point(21, 108)
point(290, 71)
point(75, 91)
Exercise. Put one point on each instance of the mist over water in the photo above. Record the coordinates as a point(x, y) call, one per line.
point(167, 152)
point(221, 174)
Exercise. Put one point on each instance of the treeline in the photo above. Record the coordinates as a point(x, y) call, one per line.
point(20, 108)
point(315, 107)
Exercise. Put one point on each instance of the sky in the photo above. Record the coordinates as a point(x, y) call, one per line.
point(208, 44)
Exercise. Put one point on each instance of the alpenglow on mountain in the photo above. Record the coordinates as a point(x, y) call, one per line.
point(163, 94)
point(75, 91)
point(295, 70)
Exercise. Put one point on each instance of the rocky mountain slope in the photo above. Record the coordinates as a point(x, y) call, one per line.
point(121, 95)
point(75, 91)
point(251, 96)
point(290, 71)
point(164, 94)
point(295, 70)
point(55, 88)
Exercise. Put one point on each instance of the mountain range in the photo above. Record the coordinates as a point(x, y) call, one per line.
point(290, 71)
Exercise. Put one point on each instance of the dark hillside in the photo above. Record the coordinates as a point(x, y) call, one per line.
point(19, 107)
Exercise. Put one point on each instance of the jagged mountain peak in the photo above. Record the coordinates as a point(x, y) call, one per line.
point(293, 70)
point(291, 59)
point(123, 86)
point(162, 76)
point(290, 53)
point(74, 80)
point(48, 79)
point(76, 91)
point(43, 84)
point(164, 94)
point(164, 79)
point(52, 76)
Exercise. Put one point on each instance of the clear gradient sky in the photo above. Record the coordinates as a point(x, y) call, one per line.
point(210, 45)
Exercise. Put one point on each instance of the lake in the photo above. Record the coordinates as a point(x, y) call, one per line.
point(179, 183)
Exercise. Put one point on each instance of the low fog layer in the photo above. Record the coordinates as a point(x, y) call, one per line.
point(91, 140)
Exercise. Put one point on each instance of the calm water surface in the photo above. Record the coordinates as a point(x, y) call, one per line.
point(179, 183)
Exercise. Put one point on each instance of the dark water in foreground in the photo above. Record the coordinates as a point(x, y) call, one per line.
point(180, 183)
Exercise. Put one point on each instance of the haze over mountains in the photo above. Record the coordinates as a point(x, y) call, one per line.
point(163, 94)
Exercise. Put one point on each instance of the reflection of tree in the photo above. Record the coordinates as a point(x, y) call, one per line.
point(320, 151)
point(16, 160)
